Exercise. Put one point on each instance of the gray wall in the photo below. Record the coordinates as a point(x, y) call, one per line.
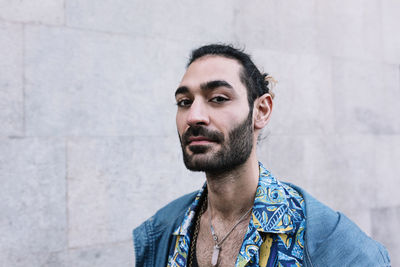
point(88, 145)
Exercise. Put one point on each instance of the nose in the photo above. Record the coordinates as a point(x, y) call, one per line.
point(197, 114)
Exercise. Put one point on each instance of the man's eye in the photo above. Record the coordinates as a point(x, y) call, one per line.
point(184, 103)
point(219, 99)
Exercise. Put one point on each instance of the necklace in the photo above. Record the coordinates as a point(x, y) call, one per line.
point(217, 246)
point(192, 261)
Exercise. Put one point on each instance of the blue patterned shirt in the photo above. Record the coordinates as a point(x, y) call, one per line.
point(275, 235)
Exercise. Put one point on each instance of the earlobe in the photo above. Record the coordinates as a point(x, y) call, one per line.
point(262, 111)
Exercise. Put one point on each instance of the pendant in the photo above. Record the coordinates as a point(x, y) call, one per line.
point(214, 259)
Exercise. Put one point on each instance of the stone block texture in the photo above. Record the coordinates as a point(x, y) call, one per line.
point(32, 198)
point(390, 20)
point(25, 11)
point(366, 94)
point(194, 20)
point(391, 217)
point(103, 86)
point(88, 144)
point(285, 26)
point(304, 95)
point(350, 29)
point(116, 177)
point(11, 79)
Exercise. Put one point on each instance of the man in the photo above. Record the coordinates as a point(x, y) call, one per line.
point(242, 216)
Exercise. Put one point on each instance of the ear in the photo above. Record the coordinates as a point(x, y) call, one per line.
point(262, 111)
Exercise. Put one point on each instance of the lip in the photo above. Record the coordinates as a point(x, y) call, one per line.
point(199, 140)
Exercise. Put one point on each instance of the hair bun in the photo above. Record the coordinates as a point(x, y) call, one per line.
point(270, 83)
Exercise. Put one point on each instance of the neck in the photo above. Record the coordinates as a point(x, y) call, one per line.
point(231, 193)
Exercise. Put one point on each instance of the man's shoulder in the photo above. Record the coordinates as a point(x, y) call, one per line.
point(154, 235)
point(333, 237)
point(174, 209)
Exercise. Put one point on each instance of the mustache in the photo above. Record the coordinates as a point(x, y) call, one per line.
point(199, 130)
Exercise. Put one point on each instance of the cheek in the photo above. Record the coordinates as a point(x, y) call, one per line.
point(180, 123)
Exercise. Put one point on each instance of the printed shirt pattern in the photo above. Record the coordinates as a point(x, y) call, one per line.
point(275, 235)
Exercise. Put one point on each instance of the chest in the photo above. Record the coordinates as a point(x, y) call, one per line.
point(229, 249)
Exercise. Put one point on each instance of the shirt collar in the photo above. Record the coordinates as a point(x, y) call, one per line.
point(270, 213)
point(190, 214)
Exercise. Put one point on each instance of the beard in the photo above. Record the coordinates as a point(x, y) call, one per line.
point(234, 151)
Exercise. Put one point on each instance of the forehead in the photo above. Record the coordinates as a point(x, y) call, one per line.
point(210, 68)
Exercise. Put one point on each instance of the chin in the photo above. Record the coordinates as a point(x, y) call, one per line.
point(198, 149)
point(200, 162)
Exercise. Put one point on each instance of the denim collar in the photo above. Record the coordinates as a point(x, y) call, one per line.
point(271, 213)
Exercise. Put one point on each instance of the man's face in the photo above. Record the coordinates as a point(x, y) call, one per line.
point(214, 121)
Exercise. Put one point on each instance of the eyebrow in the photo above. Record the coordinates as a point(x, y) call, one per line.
point(211, 85)
point(181, 90)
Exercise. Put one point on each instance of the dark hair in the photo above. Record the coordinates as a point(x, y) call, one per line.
point(255, 81)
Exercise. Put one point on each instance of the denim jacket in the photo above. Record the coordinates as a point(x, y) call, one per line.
point(331, 239)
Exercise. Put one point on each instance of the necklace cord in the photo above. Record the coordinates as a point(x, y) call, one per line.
point(196, 232)
point(218, 244)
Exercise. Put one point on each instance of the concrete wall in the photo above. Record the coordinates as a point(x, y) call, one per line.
point(88, 145)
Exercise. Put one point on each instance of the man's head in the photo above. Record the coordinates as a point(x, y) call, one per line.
point(255, 81)
point(221, 108)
